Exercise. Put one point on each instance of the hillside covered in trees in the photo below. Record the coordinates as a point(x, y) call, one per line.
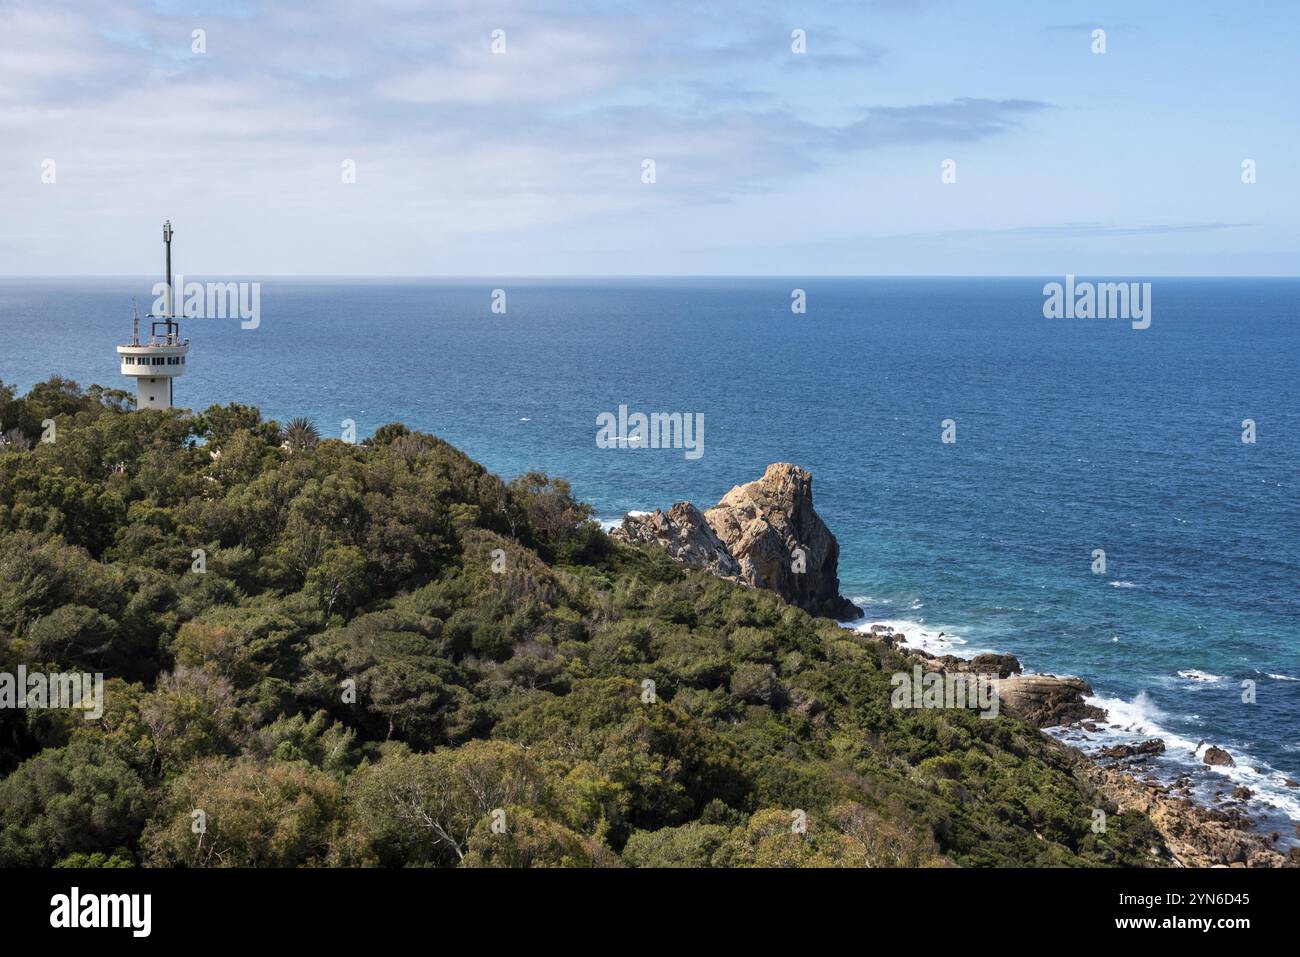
point(381, 654)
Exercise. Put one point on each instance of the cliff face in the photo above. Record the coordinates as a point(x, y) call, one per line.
point(765, 533)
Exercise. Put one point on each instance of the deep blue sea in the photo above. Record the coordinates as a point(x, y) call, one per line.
point(1072, 435)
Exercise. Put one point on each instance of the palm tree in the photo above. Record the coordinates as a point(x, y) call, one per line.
point(300, 434)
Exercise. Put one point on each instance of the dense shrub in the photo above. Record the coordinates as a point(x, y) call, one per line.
point(383, 654)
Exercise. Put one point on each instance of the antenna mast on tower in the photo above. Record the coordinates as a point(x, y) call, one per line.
point(167, 241)
point(168, 321)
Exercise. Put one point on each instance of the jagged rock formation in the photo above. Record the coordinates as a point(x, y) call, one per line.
point(781, 543)
point(765, 533)
point(684, 533)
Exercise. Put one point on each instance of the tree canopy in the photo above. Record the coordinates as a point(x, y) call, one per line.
point(382, 654)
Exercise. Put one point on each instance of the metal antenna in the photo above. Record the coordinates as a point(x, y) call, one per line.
point(167, 240)
point(135, 323)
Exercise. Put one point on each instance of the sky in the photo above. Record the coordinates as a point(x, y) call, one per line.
point(530, 159)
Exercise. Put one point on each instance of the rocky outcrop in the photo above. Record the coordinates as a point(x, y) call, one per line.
point(1144, 750)
point(1218, 757)
point(780, 541)
point(1047, 701)
point(765, 533)
point(1196, 836)
point(988, 663)
point(1001, 666)
point(682, 532)
point(1004, 666)
point(1043, 700)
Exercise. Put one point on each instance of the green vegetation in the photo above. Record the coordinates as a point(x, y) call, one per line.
point(380, 654)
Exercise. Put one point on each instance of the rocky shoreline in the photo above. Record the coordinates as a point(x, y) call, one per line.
point(766, 534)
point(1196, 835)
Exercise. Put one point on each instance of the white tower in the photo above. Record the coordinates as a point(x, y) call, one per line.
point(154, 364)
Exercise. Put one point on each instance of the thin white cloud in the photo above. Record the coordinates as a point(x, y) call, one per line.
point(456, 142)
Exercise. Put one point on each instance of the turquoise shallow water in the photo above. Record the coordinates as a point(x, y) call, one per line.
point(1071, 436)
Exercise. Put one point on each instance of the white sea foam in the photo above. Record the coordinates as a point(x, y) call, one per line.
point(1129, 722)
point(1281, 677)
point(1267, 785)
point(1121, 584)
point(863, 601)
point(1140, 717)
point(1191, 674)
point(917, 635)
point(609, 524)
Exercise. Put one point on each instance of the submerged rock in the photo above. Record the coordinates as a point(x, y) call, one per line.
point(1146, 748)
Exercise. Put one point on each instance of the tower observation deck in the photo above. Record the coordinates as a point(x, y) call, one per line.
point(155, 362)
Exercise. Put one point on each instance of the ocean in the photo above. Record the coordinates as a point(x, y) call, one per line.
point(1071, 435)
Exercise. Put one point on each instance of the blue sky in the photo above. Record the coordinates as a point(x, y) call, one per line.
point(768, 162)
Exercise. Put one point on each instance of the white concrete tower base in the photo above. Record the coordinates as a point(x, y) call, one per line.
point(153, 393)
